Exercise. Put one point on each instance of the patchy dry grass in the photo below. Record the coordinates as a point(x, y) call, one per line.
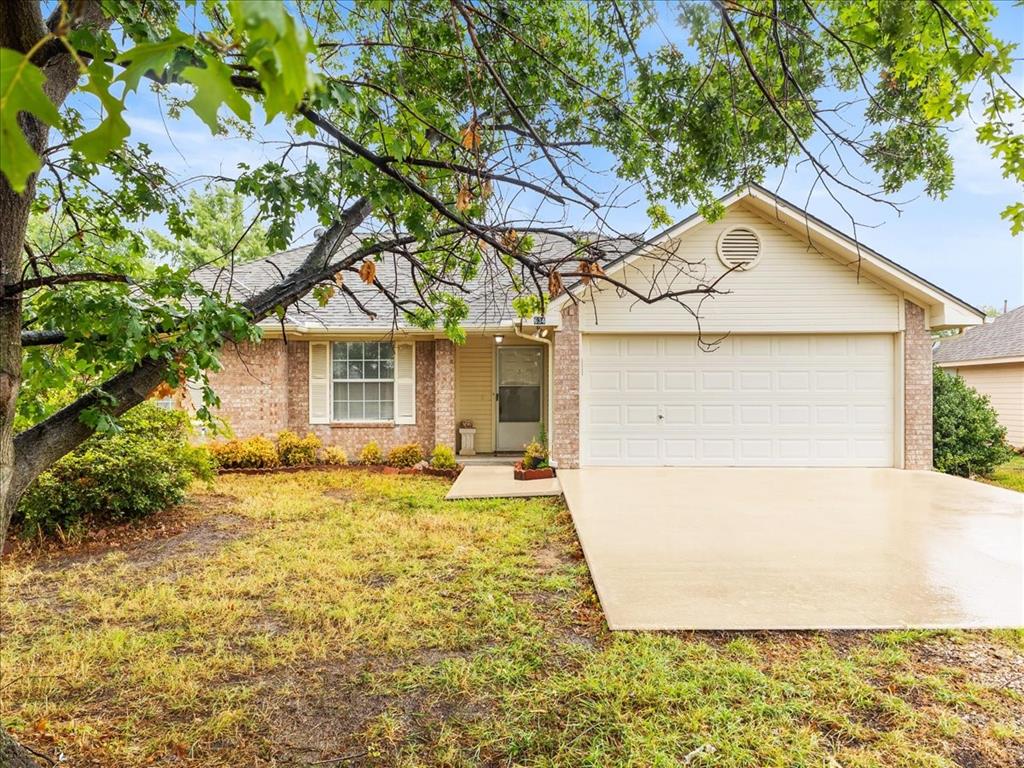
point(306, 617)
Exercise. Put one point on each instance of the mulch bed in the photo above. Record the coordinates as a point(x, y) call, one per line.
point(377, 468)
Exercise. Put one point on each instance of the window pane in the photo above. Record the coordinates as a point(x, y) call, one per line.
point(355, 350)
point(355, 370)
point(355, 410)
point(520, 404)
point(387, 391)
point(339, 369)
point(339, 350)
point(340, 410)
point(387, 351)
point(387, 410)
point(372, 369)
point(371, 391)
point(387, 369)
point(372, 410)
point(340, 391)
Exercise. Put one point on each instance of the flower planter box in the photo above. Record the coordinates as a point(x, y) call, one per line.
point(519, 473)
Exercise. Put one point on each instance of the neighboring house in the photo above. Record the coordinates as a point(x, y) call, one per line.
point(826, 359)
point(990, 358)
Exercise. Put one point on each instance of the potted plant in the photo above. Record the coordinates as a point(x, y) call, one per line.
point(534, 464)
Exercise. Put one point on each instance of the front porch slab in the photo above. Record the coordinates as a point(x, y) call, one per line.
point(495, 482)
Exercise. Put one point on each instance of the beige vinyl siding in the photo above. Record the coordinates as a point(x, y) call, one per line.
point(1004, 385)
point(793, 288)
point(474, 385)
point(474, 388)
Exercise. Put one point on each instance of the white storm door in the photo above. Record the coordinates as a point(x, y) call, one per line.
point(759, 400)
point(519, 396)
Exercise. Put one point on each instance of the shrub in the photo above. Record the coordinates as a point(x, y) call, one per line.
point(256, 452)
point(145, 466)
point(293, 450)
point(405, 455)
point(968, 438)
point(535, 456)
point(371, 454)
point(443, 457)
point(335, 454)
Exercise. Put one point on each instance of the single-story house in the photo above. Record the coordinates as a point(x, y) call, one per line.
point(990, 358)
point(823, 356)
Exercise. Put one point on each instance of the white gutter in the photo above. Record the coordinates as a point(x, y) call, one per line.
point(550, 369)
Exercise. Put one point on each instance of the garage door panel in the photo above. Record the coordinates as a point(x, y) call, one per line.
point(757, 400)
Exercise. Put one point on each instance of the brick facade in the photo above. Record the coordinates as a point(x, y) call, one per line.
point(251, 385)
point(565, 439)
point(444, 392)
point(917, 389)
point(264, 388)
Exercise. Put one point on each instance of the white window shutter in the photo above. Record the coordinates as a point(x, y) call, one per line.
point(405, 383)
point(319, 382)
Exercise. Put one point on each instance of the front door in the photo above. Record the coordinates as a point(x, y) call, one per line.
point(519, 396)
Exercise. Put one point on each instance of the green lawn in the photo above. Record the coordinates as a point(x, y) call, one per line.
point(1009, 475)
point(296, 618)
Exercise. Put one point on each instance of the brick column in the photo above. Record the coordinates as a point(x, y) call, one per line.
point(444, 392)
point(917, 389)
point(565, 447)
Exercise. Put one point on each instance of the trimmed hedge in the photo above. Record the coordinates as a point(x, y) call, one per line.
point(144, 467)
point(255, 452)
point(404, 456)
point(371, 454)
point(443, 457)
point(293, 450)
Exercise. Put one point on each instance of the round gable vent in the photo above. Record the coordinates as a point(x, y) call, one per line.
point(739, 248)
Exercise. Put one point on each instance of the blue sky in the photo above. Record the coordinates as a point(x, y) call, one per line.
point(959, 243)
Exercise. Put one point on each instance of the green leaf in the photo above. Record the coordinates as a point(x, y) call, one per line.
point(98, 143)
point(213, 88)
point(151, 57)
point(21, 90)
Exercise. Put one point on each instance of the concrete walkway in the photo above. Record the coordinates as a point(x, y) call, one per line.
point(738, 548)
point(486, 482)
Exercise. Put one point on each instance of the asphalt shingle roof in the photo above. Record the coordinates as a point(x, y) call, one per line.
point(1002, 337)
point(489, 294)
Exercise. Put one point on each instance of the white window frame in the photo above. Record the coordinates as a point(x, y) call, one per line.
point(334, 380)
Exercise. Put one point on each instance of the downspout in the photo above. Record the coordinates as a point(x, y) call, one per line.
point(550, 376)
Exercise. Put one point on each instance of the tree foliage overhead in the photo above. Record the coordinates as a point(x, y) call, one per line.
point(443, 133)
point(220, 232)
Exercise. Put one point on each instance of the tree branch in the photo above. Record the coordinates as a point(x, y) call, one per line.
point(77, 277)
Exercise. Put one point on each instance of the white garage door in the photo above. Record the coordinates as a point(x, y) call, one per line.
point(787, 400)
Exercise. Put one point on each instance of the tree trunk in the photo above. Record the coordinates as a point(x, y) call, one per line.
point(13, 755)
point(22, 27)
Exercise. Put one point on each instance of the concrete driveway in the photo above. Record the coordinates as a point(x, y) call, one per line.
point(739, 548)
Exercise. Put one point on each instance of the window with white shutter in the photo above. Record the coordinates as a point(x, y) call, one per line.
point(319, 382)
point(405, 383)
point(363, 380)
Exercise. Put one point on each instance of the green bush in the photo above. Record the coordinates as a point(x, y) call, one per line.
point(969, 440)
point(144, 467)
point(535, 456)
point(371, 454)
point(255, 452)
point(443, 457)
point(405, 455)
point(293, 450)
point(335, 454)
